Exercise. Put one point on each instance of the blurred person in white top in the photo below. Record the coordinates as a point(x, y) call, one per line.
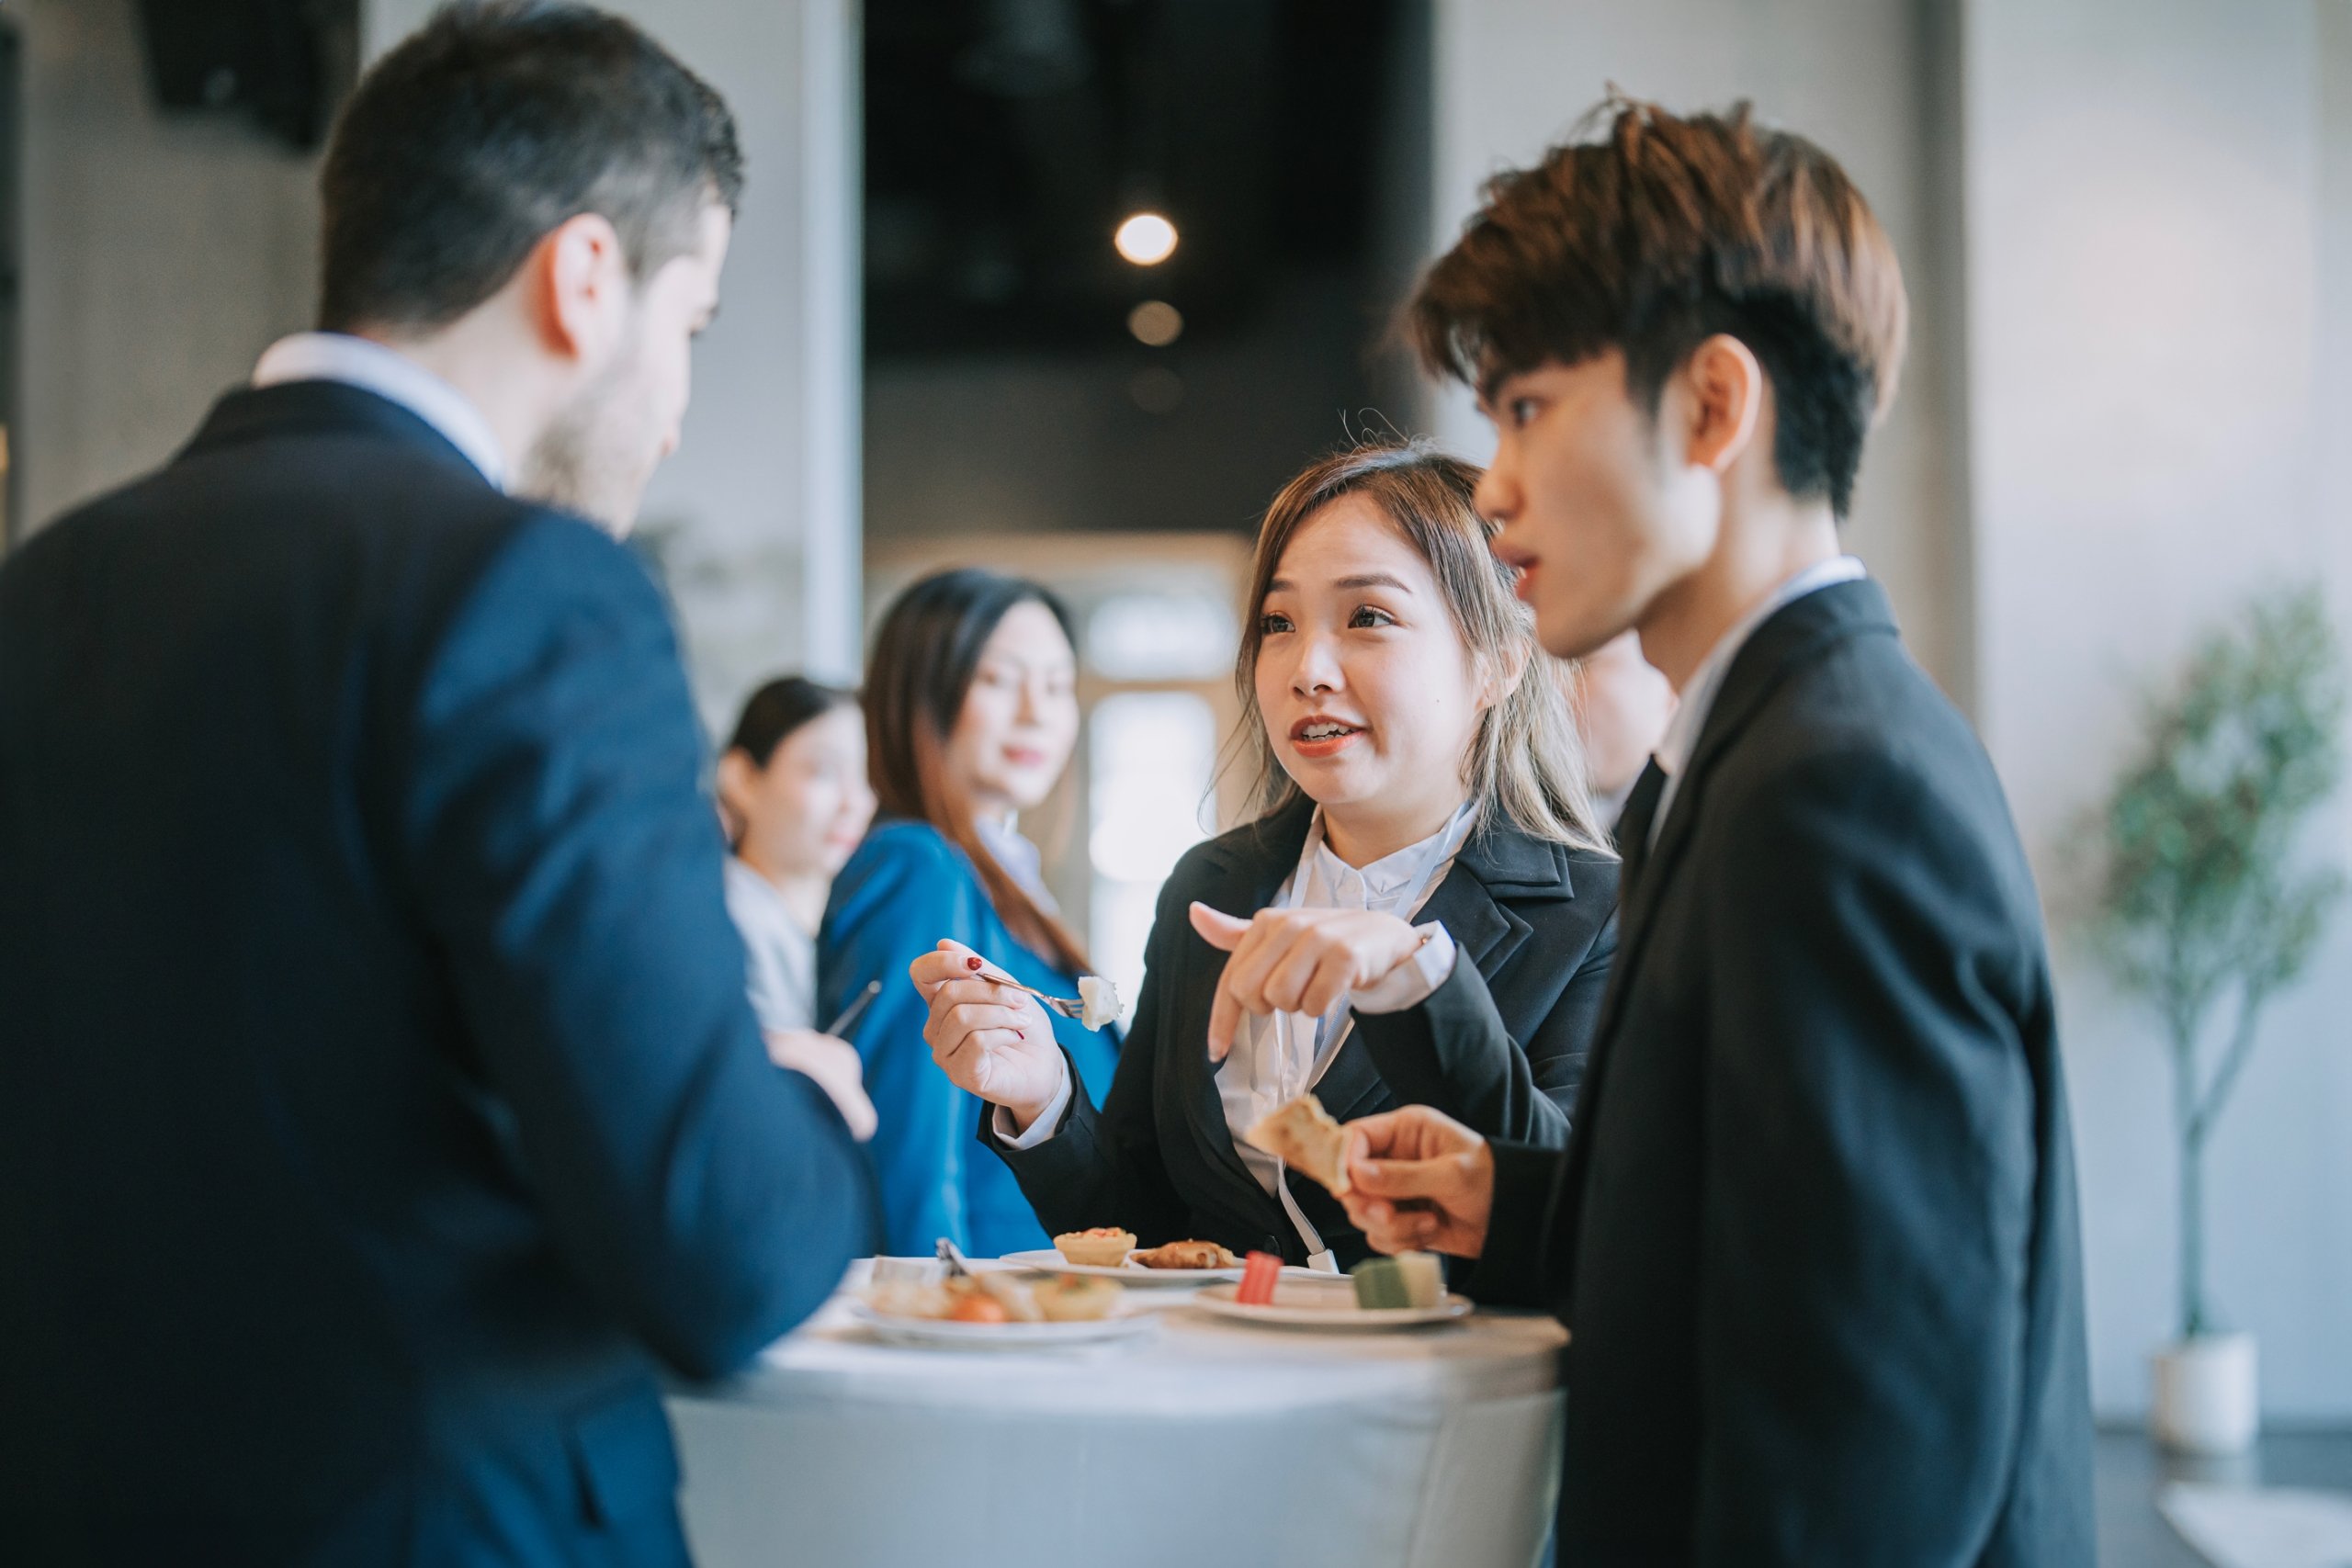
point(793, 793)
point(1622, 706)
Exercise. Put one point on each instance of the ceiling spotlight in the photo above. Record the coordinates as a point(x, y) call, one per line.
point(1146, 238)
point(1155, 323)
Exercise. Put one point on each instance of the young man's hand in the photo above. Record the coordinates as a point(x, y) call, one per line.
point(1421, 1181)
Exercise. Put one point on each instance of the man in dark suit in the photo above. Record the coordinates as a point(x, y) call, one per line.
point(380, 1102)
point(1815, 1233)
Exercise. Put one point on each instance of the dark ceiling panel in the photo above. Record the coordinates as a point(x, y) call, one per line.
point(1006, 137)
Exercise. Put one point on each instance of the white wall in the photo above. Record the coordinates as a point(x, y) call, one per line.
point(757, 516)
point(1513, 76)
point(2151, 190)
point(160, 256)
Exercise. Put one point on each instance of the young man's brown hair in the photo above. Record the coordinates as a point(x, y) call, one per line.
point(1661, 233)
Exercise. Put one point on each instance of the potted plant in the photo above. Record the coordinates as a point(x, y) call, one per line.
point(2203, 911)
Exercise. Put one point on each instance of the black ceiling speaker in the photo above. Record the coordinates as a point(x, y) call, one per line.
point(282, 63)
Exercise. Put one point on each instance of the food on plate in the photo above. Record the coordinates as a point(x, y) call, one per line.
point(1187, 1255)
point(1408, 1280)
point(1258, 1272)
point(978, 1306)
point(1070, 1298)
point(971, 1298)
point(1303, 1136)
point(1098, 1000)
point(1105, 1246)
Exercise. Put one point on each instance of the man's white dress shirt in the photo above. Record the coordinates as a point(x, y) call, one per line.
point(1698, 694)
point(356, 362)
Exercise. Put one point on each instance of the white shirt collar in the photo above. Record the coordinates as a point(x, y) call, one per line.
point(1698, 694)
point(387, 373)
point(1391, 878)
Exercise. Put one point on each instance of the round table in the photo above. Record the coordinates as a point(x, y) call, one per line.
point(1208, 1441)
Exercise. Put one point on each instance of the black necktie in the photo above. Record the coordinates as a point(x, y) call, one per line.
point(1633, 828)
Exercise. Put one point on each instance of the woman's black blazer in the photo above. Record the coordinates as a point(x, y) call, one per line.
point(1500, 1046)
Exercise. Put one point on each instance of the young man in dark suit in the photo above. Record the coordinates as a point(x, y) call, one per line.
point(380, 1101)
point(1814, 1235)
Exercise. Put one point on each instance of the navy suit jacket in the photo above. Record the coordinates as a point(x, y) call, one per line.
point(1814, 1235)
point(380, 1102)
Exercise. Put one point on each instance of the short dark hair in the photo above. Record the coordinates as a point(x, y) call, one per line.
point(493, 123)
point(772, 713)
point(1661, 233)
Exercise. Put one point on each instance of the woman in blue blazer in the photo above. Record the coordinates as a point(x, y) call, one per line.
point(971, 716)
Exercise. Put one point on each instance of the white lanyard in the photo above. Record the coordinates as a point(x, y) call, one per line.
point(1443, 847)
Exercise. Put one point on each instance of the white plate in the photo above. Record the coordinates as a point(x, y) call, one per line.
point(1046, 1261)
point(1000, 1335)
point(1327, 1307)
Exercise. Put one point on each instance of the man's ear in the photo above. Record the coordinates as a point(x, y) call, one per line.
point(581, 287)
point(1724, 387)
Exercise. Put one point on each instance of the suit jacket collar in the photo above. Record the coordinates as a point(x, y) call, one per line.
point(1793, 637)
point(321, 407)
point(1796, 636)
point(1506, 860)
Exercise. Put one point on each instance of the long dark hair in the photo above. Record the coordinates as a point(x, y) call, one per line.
point(771, 713)
point(925, 654)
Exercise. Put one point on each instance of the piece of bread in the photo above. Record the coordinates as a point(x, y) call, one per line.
point(1105, 1246)
point(1304, 1137)
point(1188, 1255)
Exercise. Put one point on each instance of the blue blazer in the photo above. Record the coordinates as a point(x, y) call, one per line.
point(380, 1103)
point(906, 889)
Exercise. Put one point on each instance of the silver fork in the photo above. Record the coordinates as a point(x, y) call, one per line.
point(1021, 1306)
point(1068, 1007)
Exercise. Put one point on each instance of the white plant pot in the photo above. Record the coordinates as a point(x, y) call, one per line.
point(2208, 1394)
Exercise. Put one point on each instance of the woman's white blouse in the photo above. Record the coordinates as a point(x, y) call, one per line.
point(1276, 1060)
point(781, 956)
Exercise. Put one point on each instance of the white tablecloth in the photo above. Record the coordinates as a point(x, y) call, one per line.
point(1208, 1442)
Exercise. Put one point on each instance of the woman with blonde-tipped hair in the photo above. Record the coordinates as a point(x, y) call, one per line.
point(1422, 912)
